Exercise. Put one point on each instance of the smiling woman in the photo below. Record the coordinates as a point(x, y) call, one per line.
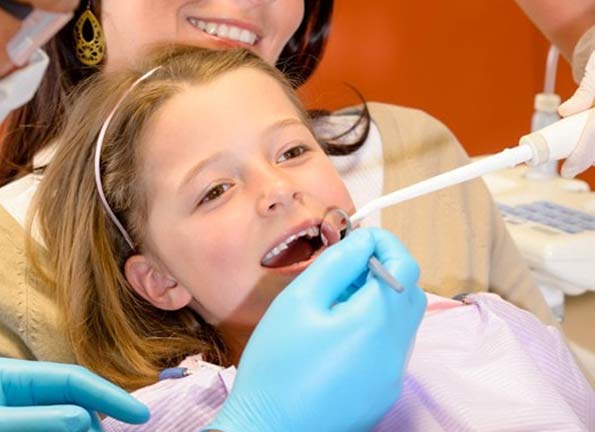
point(289, 33)
point(264, 27)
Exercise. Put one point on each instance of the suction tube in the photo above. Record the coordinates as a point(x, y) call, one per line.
point(553, 142)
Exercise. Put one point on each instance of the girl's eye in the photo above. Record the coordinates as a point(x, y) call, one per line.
point(215, 192)
point(292, 153)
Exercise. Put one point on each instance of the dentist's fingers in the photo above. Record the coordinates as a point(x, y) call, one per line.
point(393, 255)
point(584, 96)
point(28, 383)
point(336, 269)
point(375, 297)
point(583, 156)
point(56, 418)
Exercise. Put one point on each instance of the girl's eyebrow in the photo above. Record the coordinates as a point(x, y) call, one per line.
point(215, 157)
point(283, 123)
point(193, 172)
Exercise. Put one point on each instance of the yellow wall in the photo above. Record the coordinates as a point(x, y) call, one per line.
point(474, 64)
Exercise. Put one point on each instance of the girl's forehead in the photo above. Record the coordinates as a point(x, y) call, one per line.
point(242, 98)
point(232, 112)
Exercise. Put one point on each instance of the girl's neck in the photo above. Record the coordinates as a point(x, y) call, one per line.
point(235, 340)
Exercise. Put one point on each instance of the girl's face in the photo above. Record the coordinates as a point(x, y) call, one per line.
point(263, 26)
point(236, 185)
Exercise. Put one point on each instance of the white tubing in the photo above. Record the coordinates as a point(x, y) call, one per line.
point(553, 142)
point(505, 159)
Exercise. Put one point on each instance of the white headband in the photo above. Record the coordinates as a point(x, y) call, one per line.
point(98, 147)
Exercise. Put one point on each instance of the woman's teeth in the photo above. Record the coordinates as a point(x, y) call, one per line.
point(310, 232)
point(225, 31)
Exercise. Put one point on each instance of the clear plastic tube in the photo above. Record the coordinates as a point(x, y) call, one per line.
point(551, 68)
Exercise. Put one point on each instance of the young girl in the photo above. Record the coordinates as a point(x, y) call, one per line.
point(206, 202)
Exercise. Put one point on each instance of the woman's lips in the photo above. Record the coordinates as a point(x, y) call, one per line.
point(230, 32)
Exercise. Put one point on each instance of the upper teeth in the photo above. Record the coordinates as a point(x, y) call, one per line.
point(310, 232)
point(225, 31)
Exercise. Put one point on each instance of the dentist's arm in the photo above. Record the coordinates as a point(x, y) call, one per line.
point(313, 364)
point(562, 22)
point(53, 397)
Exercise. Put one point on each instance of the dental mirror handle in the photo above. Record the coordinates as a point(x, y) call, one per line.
point(376, 267)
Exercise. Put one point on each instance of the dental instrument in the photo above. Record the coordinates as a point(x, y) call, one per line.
point(553, 142)
point(344, 227)
point(379, 271)
point(37, 28)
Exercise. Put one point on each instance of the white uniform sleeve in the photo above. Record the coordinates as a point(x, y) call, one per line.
point(19, 87)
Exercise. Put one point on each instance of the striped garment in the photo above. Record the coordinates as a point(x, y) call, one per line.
point(477, 365)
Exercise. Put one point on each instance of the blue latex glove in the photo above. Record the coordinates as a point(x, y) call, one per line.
point(51, 397)
point(313, 364)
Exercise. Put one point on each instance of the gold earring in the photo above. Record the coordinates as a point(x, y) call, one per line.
point(90, 49)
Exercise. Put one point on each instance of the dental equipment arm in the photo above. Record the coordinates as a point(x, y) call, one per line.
point(554, 142)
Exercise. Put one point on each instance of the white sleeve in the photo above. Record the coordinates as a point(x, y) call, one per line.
point(19, 87)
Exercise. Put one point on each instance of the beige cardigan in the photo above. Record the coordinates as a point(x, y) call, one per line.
point(456, 235)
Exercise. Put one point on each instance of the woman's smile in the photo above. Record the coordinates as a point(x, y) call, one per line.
point(227, 30)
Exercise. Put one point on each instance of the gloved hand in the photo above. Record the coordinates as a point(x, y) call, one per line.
point(313, 364)
point(583, 155)
point(10, 25)
point(48, 397)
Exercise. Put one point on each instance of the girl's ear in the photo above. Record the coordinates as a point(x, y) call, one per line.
point(161, 290)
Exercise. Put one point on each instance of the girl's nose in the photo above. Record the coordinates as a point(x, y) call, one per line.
point(277, 194)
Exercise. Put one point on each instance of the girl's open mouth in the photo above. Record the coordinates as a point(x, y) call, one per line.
point(301, 247)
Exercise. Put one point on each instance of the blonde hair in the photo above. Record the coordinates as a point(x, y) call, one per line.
point(113, 331)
